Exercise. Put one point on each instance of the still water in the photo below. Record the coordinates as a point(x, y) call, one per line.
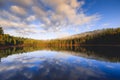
point(57, 65)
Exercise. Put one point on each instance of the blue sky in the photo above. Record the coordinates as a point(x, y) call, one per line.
point(49, 19)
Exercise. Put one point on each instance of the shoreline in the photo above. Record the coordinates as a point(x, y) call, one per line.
point(83, 45)
point(5, 47)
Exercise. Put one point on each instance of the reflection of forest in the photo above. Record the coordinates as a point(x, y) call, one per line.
point(17, 50)
point(107, 53)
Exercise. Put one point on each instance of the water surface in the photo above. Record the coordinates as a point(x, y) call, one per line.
point(57, 65)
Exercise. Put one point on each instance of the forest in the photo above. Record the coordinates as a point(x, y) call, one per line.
point(99, 38)
point(103, 37)
point(7, 40)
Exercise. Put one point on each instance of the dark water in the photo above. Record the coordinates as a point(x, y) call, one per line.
point(49, 64)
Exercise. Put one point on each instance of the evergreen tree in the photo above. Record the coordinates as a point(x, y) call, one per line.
point(1, 30)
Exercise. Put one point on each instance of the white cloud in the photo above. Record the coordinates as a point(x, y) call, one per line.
point(23, 2)
point(7, 15)
point(54, 15)
point(18, 10)
point(31, 18)
point(62, 12)
point(18, 27)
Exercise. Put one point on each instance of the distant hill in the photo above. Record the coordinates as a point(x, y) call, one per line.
point(92, 33)
point(109, 36)
point(83, 34)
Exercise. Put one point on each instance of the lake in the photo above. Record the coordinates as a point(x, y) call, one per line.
point(96, 63)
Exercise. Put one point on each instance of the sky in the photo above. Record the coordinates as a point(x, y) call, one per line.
point(50, 19)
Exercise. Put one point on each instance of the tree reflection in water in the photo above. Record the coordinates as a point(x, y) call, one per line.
point(56, 65)
point(109, 53)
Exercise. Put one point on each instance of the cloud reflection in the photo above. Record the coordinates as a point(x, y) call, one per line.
point(51, 65)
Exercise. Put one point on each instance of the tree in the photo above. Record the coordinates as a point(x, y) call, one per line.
point(1, 30)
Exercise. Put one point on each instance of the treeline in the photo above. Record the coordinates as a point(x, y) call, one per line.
point(98, 37)
point(7, 40)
